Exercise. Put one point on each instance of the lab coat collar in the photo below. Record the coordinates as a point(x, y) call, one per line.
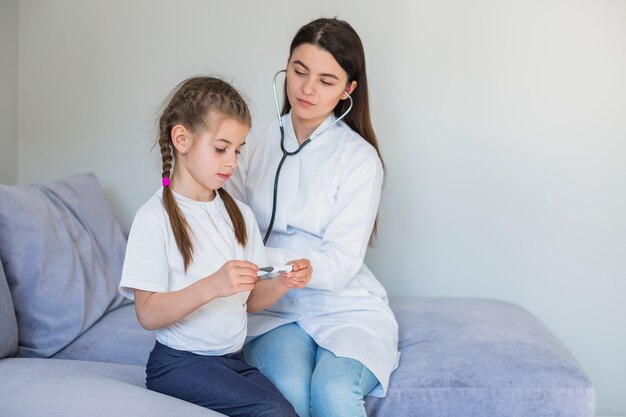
point(290, 133)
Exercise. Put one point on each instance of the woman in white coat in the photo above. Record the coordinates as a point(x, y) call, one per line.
point(331, 343)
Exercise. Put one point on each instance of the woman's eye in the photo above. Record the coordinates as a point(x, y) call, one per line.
point(218, 150)
point(238, 152)
point(326, 82)
point(299, 73)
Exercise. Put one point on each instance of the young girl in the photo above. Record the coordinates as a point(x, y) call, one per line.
point(326, 346)
point(192, 255)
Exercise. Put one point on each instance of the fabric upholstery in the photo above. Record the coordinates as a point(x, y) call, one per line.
point(62, 250)
point(8, 323)
point(476, 357)
point(459, 357)
point(55, 387)
point(116, 337)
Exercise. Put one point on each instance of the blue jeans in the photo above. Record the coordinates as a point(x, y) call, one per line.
point(313, 379)
point(222, 383)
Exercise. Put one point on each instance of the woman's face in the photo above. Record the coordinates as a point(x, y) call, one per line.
point(315, 84)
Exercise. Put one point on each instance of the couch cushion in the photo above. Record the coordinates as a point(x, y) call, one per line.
point(116, 337)
point(62, 250)
point(8, 325)
point(473, 357)
point(63, 388)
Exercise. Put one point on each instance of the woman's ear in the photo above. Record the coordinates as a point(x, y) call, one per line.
point(349, 89)
point(180, 139)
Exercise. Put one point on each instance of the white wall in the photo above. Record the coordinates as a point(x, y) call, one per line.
point(8, 90)
point(502, 124)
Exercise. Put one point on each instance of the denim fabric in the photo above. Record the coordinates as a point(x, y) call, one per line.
point(313, 379)
point(222, 383)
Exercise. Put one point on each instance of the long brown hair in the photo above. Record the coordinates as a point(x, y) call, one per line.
point(191, 104)
point(344, 44)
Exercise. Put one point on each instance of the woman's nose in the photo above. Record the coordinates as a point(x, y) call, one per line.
point(307, 87)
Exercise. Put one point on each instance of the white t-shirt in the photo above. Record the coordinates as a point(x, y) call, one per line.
point(153, 263)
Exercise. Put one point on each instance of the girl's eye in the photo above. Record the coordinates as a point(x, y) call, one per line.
point(238, 152)
point(218, 150)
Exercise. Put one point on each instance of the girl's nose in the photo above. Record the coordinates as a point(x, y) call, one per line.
point(232, 161)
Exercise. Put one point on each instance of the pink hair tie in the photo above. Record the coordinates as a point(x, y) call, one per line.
point(166, 181)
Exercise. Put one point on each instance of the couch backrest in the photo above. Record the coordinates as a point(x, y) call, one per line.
point(8, 323)
point(62, 251)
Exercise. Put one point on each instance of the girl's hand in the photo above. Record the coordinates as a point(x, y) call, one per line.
point(301, 274)
point(234, 277)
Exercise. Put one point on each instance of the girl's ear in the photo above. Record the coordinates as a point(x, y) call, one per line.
point(349, 89)
point(180, 139)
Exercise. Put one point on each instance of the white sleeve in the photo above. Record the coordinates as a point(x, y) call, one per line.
point(346, 237)
point(146, 263)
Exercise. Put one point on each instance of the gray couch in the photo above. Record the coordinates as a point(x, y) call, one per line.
point(71, 346)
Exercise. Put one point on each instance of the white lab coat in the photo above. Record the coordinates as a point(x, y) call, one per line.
point(328, 196)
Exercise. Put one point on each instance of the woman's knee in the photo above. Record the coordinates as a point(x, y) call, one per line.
point(296, 388)
point(335, 399)
point(338, 386)
point(298, 393)
point(285, 355)
point(279, 342)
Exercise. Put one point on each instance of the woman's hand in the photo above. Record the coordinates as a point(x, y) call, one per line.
point(300, 276)
point(233, 277)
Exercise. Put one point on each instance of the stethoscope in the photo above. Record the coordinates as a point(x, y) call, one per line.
point(286, 153)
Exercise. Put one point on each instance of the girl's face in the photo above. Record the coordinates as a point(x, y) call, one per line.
point(315, 84)
point(208, 158)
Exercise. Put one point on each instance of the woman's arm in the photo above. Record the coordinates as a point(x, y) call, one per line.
point(268, 292)
point(347, 235)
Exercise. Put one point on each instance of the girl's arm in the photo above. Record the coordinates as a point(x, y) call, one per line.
point(267, 292)
point(156, 310)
